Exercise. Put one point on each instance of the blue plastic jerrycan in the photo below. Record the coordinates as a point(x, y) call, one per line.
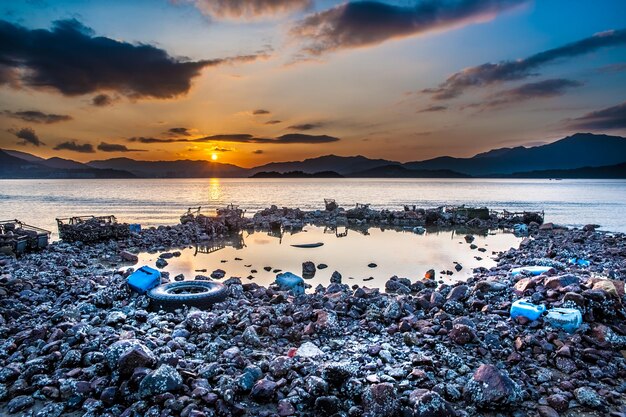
point(532, 270)
point(291, 282)
point(525, 308)
point(144, 279)
point(568, 319)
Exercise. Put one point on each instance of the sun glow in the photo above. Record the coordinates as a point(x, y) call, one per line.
point(214, 157)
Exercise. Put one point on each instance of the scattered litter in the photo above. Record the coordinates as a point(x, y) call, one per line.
point(567, 319)
point(419, 230)
point(525, 308)
point(531, 270)
point(288, 281)
point(579, 262)
point(144, 279)
point(520, 229)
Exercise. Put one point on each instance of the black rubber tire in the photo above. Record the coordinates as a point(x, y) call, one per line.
point(175, 295)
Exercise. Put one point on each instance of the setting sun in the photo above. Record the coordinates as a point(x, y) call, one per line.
point(214, 157)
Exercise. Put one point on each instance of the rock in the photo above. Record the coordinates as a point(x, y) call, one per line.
point(469, 238)
point(218, 274)
point(427, 403)
point(251, 337)
point(263, 391)
point(372, 265)
point(335, 278)
point(338, 372)
point(309, 350)
point(115, 317)
point(308, 269)
point(327, 405)
point(161, 263)
point(129, 257)
point(461, 334)
point(458, 267)
point(380, 400)
point(285, 408)
point(545, 411)
point(19, 403)
point(588, 397)
point(179, 277)
point(458, 293)
point(119, 348)
point(490, 388)
point(322, 266)
point(135, 357)
point(51, 410)
point(165, 379)
point(560, 281)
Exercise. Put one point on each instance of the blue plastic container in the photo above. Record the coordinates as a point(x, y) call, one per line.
point(525, 308)
point(568, 319)
point(580, 262)
point(532, 270)
point(520, 229)
point(144, 279)
point(134, 227)
point(290, 282)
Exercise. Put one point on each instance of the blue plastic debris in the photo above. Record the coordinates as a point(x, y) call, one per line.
point(144, 279)
point(520, 229)
point(290, 282)
point(580, 262)
point(419, 230)
point(525, 308)
point(134, 227)
point(532, 270)
point(568, 319)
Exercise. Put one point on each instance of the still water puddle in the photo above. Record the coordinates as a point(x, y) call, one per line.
point(349, 251)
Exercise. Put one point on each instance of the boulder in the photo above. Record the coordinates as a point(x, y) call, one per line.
point(491, 388)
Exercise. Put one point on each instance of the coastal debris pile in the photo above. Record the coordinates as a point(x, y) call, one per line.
point(210, 226)
point(91, 229)
point(18, 237)
point(274, 217)
point(75, 339)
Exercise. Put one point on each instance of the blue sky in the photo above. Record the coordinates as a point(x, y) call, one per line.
point(333, 77)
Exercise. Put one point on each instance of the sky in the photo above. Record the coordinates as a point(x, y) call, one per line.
point(249, 82)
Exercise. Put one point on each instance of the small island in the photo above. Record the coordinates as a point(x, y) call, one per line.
point(296, 174)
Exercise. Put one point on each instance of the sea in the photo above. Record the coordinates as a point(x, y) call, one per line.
point(152, 202)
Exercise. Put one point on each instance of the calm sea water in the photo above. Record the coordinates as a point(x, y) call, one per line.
point(162, 201)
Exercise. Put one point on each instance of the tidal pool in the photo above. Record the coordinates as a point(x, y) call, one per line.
point(349, 251)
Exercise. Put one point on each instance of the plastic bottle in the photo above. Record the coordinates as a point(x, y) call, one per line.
point(525, 308)
point(568, 319)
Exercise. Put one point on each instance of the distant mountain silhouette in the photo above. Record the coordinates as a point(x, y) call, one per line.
point(13, 167)
point(606, 172)
point(398, 171)
point(172, 169)
point(341, 164)
point(579, 150)
point(582, 150)
point(296, 174)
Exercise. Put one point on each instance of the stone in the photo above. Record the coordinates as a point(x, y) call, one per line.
point(20, 403)
point(161, 263)
point(427, 403)
point(218, 274)
point(165, 379)
point(117, 349)
point(251, 337)
point(491, 388)
point(588, 397)
point(461, 334)
point(264, 390)
point(308, 269)
point(458, 293)
point(380, 400)
point(129, 257)
point(560, 281)
point(335, 278)
point(309, 350)
point(135, 357)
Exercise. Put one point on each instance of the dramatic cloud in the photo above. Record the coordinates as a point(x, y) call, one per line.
point(179, 131)
point(306, 126)
point(249, 9)
point(613, 68)
point(273, 122)
point(260, 112)
point(102, 100)
point(75, 147)
point(433, 109)
point(114, 147)
point(28, 136)
point(609, 118)
point(69, 58)
point(365, 23)
point(36, 116)
point(542, 89)
point(292, 138)
point(489, 73)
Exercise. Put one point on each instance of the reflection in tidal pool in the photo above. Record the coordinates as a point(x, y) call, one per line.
point(349, 251)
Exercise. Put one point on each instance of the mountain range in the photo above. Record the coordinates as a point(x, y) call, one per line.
point(583, 155)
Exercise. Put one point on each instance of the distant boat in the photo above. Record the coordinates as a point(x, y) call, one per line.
point(308, 245)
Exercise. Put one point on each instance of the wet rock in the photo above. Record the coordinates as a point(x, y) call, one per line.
point(164, 379)
point(372, 265)
point(308, 269)
point(425, 403)
point(491, 388)
point(251, 337)
point(20, 403)
point(161, 263)
point(51, 410)
point(327, 404)
point(129, 257)
point(335, 278)
point(462, 334)
point(135, 357)
point(119, 348)
point(469, 238)
point(380, 400)
point(309, 350)
point(588, 397)
point(264, 390)
point(218, 274)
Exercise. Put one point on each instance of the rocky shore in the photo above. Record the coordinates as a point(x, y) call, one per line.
point(75, 341)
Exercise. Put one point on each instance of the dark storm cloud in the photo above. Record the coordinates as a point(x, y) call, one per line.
point(28, 136)
point(179, 131)
point(306, 126)
point(489, 73)
point(69, 58)
point(238, 9)
point(292, 138)
point(36, 116)
point(102, 100)
point(542, 89)
point(365, 23)
point(75, 147)
point(114, 147)
point(609, 118)
point(433, 109)
point(260, 112)
point(273, 122)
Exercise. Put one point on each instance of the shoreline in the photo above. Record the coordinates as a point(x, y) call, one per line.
point(75, 340)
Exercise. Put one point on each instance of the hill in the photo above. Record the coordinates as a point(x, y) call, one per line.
point(398, 171)
point(172, 169)
point(577, 151)
point(340, 164)
point(606, 172)
point(296, 174)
